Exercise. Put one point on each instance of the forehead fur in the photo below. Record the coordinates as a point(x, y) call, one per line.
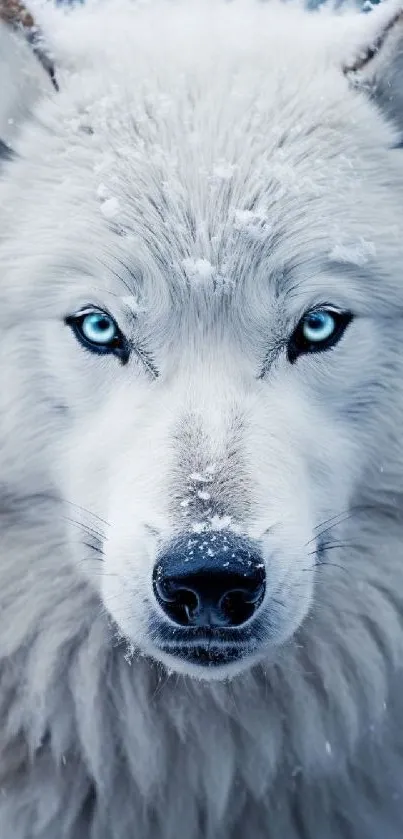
point(212, 140)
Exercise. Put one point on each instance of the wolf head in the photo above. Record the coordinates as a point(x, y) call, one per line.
point(201, 246)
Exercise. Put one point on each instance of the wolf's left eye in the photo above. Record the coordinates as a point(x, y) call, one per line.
point(318, 330)
point(98, 332)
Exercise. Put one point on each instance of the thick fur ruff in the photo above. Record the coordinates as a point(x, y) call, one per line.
point(99, 738)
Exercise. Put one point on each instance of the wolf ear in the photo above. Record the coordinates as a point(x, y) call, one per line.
point(26, 72)
point(376, 60)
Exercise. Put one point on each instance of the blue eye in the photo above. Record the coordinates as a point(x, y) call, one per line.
point(98, 332)
point(318, 330)
point(99, 328)
point(318, 326)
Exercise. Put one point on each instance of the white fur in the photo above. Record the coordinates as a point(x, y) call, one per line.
point(207, 173)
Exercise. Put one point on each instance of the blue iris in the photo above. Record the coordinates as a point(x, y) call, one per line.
point(318, 326)
point(98, 332)
point(99, 328)
point(317, 331)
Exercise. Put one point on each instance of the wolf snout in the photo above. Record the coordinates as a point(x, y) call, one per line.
point(210, 580)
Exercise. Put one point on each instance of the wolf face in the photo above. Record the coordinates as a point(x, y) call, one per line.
point(201, 249)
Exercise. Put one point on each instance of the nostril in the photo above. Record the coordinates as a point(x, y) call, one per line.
point(180, 603)
point(239, 605)
point(186, 604)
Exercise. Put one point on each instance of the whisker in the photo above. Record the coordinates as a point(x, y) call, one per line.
point(82, 526)
point(339, 520)
point(332, 518)
point(323, 548)
point(163, 678)
point(95, 550)
point(345, 515)
point(333, 565)
point(88, 512)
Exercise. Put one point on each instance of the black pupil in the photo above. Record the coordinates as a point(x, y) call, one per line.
point(103, 324)
point(315, 320)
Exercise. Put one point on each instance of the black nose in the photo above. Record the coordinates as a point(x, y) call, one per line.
point(211, 580)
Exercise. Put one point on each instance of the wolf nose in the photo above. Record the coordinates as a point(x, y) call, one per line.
point(214, 580)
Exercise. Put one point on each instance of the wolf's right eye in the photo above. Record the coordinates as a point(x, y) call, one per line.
point(98, 332)
point(318, 330)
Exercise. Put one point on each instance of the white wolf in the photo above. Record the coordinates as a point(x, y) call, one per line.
point(201, 577)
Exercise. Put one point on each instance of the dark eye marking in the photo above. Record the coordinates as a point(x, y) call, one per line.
point(98, 332)
point(318, 330)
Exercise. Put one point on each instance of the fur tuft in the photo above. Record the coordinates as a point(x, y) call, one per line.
point(207, 174)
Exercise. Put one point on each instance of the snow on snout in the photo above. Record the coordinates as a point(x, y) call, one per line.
point(197, 507)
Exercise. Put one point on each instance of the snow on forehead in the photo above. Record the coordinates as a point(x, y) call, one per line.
point(157, 37)
point(164, 81)
point(162, 96)
point(144, 76)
